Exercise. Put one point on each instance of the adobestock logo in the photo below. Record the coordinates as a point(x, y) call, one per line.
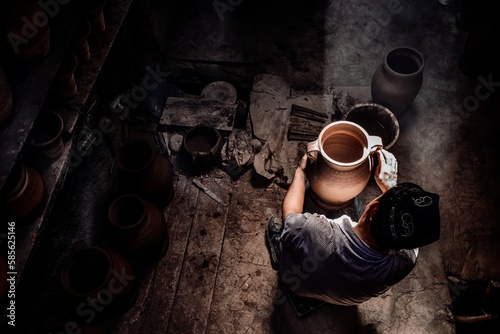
point(31, 26)
point(89, 308)
point(483, 91)
point(105, 296)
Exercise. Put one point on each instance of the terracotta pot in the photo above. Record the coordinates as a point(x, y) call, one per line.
point(80, 44)
point(95, 15)
point(377, 120)
point(145, 171)
point(23, 194)
point(101, 276)
point(397, 81)
point(26, 34)
point(203, 144)
point(341, 164)
point(5, 98)
point(138, 228)
point(47, 132)
point(65, 86)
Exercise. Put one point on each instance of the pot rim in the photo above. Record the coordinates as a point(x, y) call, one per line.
point(366, 149)
point(65, 271)
point(386, 110)
point(415, 53)
point(119, 198)
point(214, 147)
point(55, 136)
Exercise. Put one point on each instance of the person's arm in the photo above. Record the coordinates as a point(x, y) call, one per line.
point(294, 197)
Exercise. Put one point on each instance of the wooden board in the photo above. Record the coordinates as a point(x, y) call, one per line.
point(191, 112)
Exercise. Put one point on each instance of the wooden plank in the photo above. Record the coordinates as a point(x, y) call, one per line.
point(244, 293)
point(201, 262)
point(160, 300)
point(192, 112)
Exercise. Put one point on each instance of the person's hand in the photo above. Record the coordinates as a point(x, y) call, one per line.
point(303, 163)
point(386, 174)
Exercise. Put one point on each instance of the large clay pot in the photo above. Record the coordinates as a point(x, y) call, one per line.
point(377, 120)
point(341, 164)
point(101, 276)
point(23, 194)
point(47, 132)
point(5, 98)
point(138, 228)
point(143, 170)
point(397, 81)
point(26, 34)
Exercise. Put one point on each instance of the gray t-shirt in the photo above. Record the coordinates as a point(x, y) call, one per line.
point(325, 259)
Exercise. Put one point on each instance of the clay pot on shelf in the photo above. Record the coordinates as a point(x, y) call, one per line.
point(47, 132)
point(397, 81)
point(377, 120)
point(26, 34)
point(203, 144)
point(95, 16)
point(23, 195)
point(341, 164)
point(100, 275)
point(6, 100)
point(65, 86)
point(138, 228)
point(143, 170)
point(80, 44)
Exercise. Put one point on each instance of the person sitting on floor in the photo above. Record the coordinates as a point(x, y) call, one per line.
point(342, 262)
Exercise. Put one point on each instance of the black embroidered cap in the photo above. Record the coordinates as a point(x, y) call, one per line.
point(407, 217)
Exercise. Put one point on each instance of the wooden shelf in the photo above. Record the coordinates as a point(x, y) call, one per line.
point(30, 92)
point(55, 173)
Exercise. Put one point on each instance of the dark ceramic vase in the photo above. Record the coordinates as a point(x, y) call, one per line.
point(138, 228)
point(397, 81)
point(143, 170)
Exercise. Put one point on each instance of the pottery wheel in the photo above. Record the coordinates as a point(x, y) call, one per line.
point(219, 91)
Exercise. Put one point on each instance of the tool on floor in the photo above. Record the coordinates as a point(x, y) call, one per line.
point(209, 192)
point(307, 113)
point(297, 134)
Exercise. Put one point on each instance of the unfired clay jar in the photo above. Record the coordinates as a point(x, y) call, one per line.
point(341, 164)
point(138, 228)
point(397, 81)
